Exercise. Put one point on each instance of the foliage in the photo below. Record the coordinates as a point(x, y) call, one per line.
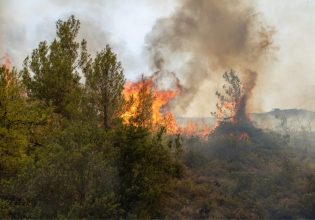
point(230, 98)
point(51, 74)
point(74, 175)
point(146, 169)
point(58, 161)
point(143, 116)
point(20, 119)
point(105, 83)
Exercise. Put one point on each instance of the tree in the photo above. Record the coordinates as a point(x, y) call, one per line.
point(13, 135)
point(74, 175)
point(143, 114)
point(146, 170)
point(229, 100)
point(105, 83)
point(51, 74)
point(19, 120)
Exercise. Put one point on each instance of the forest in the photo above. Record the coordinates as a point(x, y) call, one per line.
point(72, 146)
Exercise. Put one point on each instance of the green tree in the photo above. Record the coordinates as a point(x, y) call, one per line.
point(51, 74)
point(105, 83)
point(19, 120)
point(13, 133)
point(74, 175)
point(143, 115)
point(146, 169)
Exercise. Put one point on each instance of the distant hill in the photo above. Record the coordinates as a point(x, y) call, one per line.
point(286, 112)
point(299, 118)
point(293, 119)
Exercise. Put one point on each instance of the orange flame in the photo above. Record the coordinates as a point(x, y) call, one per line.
point(192, 129)
point(161, 116)
point(8, 77)
point(6, 61)
point(189, 130)
point(227, 112)
point(244, 136)
point(160, 100)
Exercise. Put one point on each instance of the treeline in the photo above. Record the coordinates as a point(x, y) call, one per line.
point(64, 149)
point(65, 152)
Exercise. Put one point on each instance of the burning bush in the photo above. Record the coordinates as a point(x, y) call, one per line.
point(231, 114)
point(144, 105)
point(149, 106)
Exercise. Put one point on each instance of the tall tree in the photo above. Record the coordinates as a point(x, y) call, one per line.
point(229, 99)
point(146, 168)
point(13, 134)
point(143, 115)
point(51, 74)
point(105, 83)
point(19, 121)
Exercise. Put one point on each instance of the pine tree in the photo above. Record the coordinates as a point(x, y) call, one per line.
point(105, 83)
point(229, 99)
point(143, 116)
point(51, 74)
point(12, 119)
point(20, 118)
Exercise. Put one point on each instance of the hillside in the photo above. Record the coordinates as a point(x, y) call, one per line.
point(267, 120)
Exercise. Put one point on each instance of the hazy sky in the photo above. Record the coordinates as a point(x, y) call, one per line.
point(289, 80)
point(121, 23)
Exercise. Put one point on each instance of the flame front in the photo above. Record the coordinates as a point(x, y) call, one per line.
point(6, 61)
point(202, 130)
point(8, 77)
point(160, 116)
point(227, 112)
point(244, 136)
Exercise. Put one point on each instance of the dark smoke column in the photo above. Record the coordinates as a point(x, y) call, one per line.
point(204, 38)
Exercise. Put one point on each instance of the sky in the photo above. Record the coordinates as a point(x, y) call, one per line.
point(287, 82)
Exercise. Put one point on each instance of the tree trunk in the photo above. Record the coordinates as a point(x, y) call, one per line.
point(106, 119)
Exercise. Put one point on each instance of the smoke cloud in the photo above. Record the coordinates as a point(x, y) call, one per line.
point(21, 32)
point(204, 38)
point(121, 24)
point(197, 39)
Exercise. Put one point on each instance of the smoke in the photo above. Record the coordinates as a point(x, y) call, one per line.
point(25, 24)
point(241, 111)
point(199, 41)
point(21, 30)
point(11, 35)
point(121, 24)
point(204, 38)
point(3, 22)
point(6, 62)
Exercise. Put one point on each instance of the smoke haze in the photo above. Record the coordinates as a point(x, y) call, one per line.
point(197, 40)
point(122, 24)
point(202, 39)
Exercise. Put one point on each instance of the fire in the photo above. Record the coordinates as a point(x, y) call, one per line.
point(160, 116)
point(192, 129)
point(227, 112)
point(244, 136)
point(8, 77)
point(205, 131)
point(6, 61)
point(231, 114)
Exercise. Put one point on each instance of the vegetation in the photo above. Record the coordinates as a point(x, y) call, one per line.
point(105, 82)
point(65, 153)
